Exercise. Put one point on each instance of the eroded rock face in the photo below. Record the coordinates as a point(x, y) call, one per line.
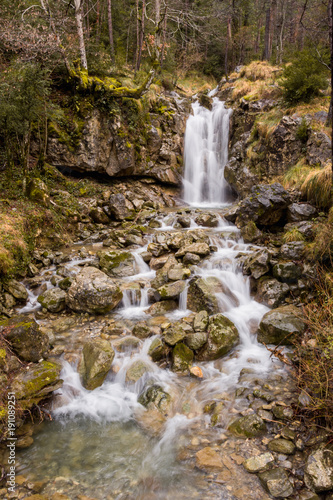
point(96, 361)
point(25, 337)
point(94, 292)
point(281, 326)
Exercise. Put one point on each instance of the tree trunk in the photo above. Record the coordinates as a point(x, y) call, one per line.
point(79, 27)
point(267, 33)
point(227, 48)
point(157, 21)
point(98, 31)
point(141, 34)
point(163, 38)
point(110, 30)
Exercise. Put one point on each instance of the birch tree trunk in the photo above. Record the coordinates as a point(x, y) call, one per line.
point(110, 30)
point(79, 26)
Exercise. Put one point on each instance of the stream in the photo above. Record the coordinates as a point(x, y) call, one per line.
point(103, 443)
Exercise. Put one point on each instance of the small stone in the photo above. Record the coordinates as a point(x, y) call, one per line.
point(276, 483)
point(208, 458)
point(259, 463)
point(196, 371)
point(282, 446)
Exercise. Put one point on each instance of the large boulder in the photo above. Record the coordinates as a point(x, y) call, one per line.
point(120, 208)
point(25, 338)
point(203, 295)
point(271, 292)
point(117, 263)
point(287, 272)
point(298, 212)
point(96, 361)
point(36, 382)
point(17, 290)
point(281, 326)
point(54, 300)
point(94, 292)
point(318, 472)
point(222, 337)
point(266, 205)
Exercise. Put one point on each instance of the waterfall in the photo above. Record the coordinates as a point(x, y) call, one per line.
point(206, 154)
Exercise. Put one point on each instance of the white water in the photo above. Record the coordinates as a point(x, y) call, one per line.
point(206, 154)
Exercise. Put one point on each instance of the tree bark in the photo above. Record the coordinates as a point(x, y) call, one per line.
point(110, 27)
point(141, 23)
point(267, 33)
point(79, 26)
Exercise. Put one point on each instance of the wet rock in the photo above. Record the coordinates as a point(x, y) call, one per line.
point(265, 206)
point(160, 279)
point(162, 307)
point(96, 361)
point(170, 290)
point(36, 382)
point(155, 397)
point(117, 263)
point(142, 330)
point(259, 463)
point(158, 262)
point(200, 321)
point(276, 483)
point(196, 340)
point(300, 211)
point(94, 292)
point(271, 292)
point(258, 264)
point(318, 472)
point(250, 232)
point(184, 221)
point(283, 412)
point(25, 337)
point(54, 300)
point(99, 216)
point(158, 350)
point(126, 344)
point(17, 290)
point(191, 258)
point(222, 337)
point(281, 326)
point(196, 371)
point(120, 207)
point(182, 358)
point(175, 333)
point(293, 250)
point(248, 426)
point(201, 294)
point(207, 220)
point(208, 459)
point(281, 446)
point(178, 272)
point(137, 370)
point(201, 249)
point(308, 495)
point(287, 272)
point(65, 283)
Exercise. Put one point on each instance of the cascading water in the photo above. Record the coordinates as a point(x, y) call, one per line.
point(206, 154)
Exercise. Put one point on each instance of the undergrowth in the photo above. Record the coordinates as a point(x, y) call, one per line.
point(314, 355)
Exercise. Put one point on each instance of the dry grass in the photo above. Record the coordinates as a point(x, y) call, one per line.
point(292, 235)
point(317, 186)
point(296, 175)
point(314, 355)
point(13, 246)
point(260, 70)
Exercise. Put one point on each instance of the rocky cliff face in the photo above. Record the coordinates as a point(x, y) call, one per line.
point(265, 143)
point(141, 139)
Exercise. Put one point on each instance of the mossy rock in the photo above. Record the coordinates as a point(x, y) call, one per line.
point(25, 338)
point(182, 358)
point(137, 369)
point(155, 397)
point(222, 337)
point(117, 263)
point(158, 350)
point(281, 326)
point(54, 300)
point(37, 191)
point(248, 427)
point(96, 361)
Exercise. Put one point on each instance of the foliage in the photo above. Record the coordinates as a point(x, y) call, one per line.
point(296, 175)
point(292, 235)
point(322, 247)
point(314, 355)
point(303, 78)
point(302, 133)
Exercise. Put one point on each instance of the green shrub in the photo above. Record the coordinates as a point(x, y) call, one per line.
point(303, 78)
